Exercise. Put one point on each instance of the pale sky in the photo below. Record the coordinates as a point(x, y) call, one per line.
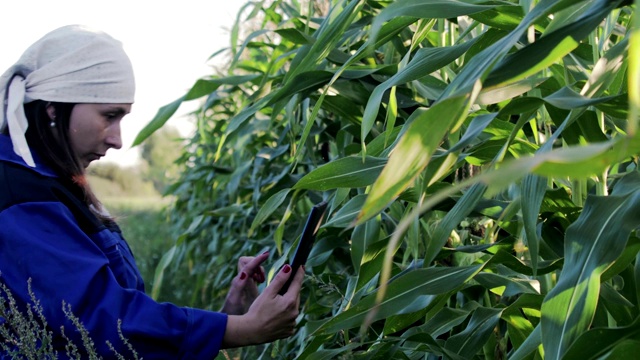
point(169, 43)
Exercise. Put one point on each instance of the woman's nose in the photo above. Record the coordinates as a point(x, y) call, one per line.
point(113, 139)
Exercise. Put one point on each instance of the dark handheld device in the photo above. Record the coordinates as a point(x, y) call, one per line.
point(306, 241)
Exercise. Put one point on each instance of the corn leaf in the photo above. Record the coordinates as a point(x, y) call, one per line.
point(592, 243)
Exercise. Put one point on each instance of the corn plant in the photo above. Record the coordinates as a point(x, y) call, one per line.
point(479, 158)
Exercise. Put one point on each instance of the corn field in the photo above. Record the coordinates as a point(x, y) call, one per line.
point(479, 158)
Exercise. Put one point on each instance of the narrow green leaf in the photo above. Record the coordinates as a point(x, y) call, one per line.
point(567, 99)
point(503, 257)
point(425, 9)
point(329, 354)
point(622, 263)
point(397, 323)
point(411, 155)
point(327, 36)
point(201, 88)
point(482, 64)
point(346, 214)
point(548, 49)
point(161, 117)
point(415, 286)
point(506, 17)
point(481, 326)
point(296, 36)
point(363, 235)
point(634, 75)
point(234, 209)
point(194, 224)
point(424, 62)
point(494, 95)
point(429, 345)
point(627, 349)
point(247, 112)
point(636, 273)
point(606, 69)
point(348, 172)
point(595, 343)
point(372, 262)
point(268, 208)
point(444, 321)
point(506, 286)
point(461, 209)
point(531, 344)
point(159, 273)
point(245, 44)
point(475, 128)
point(533, 191)
point(592, 243)
point(310, 80)
point(518, 325)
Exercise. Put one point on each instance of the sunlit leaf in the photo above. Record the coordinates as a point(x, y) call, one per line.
point(595, 240)
point(413, 152)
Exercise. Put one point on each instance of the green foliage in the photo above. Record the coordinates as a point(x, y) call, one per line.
point(25, 333)
point(379, 107)
point(160, 152)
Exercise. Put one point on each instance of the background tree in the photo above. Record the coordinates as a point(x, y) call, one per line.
point(376, 106)
point(159, 153)
point(112, 180)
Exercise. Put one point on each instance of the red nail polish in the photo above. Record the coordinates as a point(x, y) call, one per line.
point(243, 275)
point(286, 269)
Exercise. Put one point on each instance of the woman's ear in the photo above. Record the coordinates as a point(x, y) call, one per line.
point(51, 111)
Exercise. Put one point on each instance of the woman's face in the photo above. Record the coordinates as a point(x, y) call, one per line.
point(95, 128)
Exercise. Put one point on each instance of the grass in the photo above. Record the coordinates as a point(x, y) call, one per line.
point(147, 231)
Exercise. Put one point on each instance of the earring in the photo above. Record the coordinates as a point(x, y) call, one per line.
point(53, 123)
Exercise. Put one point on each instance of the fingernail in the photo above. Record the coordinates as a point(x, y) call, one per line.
point(286, 269)
point(266, 252)
point(243, 275)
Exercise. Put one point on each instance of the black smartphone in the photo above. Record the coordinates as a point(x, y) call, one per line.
point(306, 241)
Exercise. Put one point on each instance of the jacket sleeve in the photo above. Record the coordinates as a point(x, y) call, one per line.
point(42, 241)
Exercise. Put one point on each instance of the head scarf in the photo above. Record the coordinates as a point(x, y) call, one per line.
point(71, 64)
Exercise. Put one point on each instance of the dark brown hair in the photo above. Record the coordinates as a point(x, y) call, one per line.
point(53, 146)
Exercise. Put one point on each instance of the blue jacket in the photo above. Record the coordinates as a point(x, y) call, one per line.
point(49, 236)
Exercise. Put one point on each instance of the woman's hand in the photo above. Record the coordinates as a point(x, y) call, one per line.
point(270, 317)
point(244, 287)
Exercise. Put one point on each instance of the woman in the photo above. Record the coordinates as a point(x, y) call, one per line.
point(63, 104)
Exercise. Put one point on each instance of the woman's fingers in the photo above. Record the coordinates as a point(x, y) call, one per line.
point(252, 266)
point(295, 286)
point(278, 281)
point(259, 276)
